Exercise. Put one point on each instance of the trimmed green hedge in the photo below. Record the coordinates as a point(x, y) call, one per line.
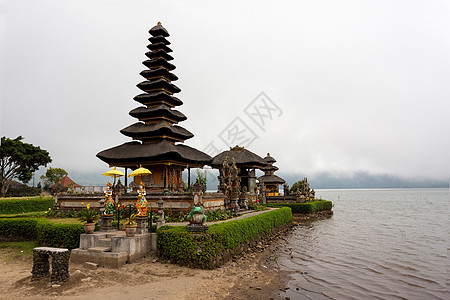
point(305, 208)
point(17, 206)
point(213, 247)
point(43, 231)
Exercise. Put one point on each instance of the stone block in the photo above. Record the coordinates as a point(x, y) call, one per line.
point(90, 265)
point(59, 264)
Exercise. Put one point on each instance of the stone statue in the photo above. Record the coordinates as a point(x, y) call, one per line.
point(286, 189)
point(197, 215)
point(262, 193)
point(196, 219)
point(142, 203)
point(243, 198)
point(235, 181)
point(109, 203)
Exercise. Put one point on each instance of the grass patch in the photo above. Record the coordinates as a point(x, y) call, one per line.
point(26, 198)
point(11, 251)
point(66, 221)
point(33, 214)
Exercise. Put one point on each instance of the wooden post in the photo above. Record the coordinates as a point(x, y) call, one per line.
point(165, 177)
point(189, 178)
point(126, 180)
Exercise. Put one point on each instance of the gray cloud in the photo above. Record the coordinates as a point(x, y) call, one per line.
point(363, 85)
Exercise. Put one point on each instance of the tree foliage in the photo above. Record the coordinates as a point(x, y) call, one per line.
point(202, 177)
point(19, 160)
point(53, 176)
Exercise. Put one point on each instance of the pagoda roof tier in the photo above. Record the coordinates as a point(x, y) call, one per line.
point(243, 158)
point(158, 85)
point(158, 97)
point(162, 129)
point(271, 179)
point(157, 112)
point(269, 159)
point(159, 39)
point(134, 153)
point(159, 62)
point(159, 54)
point(159, 30)
point(270, 168)
point(159, 46)
point(158, 72)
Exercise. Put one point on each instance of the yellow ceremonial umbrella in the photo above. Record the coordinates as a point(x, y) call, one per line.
point(114, 174)
point(140, 171)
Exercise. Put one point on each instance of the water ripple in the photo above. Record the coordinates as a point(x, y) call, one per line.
point(380, 244)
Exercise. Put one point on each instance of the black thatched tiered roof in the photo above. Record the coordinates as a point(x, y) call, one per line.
point(243, 158)
point(269, 177)
point(156, 128)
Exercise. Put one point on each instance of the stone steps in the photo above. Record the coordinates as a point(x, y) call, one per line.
point(104, 242)
point(99, 249)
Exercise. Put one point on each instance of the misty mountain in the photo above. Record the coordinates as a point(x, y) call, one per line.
point(324, 180)
point(360, 180)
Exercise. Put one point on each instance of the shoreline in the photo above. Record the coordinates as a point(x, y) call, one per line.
point(253, 274)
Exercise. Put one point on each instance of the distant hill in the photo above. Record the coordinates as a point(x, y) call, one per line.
point(360, 180)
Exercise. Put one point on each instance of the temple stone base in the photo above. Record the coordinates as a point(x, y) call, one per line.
point(113, 249)
point(107, 223)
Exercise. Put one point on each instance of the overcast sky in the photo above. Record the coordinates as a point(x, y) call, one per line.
point(350, 85)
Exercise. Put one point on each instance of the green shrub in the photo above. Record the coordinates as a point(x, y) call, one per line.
point(17, 206)
point(23, 191)
point(304, 208)
point(43, 231)
point(204, 249)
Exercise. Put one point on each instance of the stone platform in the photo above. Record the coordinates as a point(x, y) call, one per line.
point(113, 249)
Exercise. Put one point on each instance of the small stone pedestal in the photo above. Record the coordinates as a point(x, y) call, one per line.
point(140, 222)
point(41, 265)
point(107, 223)
point(196, 227)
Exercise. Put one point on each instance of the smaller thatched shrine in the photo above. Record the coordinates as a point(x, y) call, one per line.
point(269, 179)
point(246, 162)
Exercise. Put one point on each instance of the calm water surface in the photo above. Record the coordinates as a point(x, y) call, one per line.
point(380, 244)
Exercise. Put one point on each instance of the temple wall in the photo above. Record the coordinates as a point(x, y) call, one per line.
point(177, 202)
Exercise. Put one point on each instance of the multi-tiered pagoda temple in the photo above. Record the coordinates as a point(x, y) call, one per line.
point(158, 139)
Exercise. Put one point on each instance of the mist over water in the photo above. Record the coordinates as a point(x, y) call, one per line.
point(380, 244)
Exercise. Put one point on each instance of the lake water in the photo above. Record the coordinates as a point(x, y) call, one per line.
point(379, 244)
